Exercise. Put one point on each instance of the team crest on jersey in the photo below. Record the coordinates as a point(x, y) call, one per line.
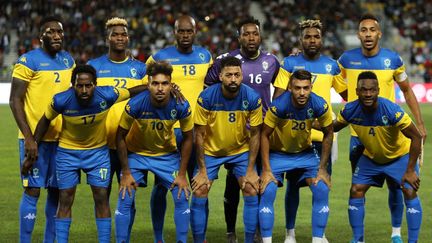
point(328, 68)
point(202, 56)
point(310, 113)
point(66, 62)
point(103, 105)
point(133, 72)
point(387, 63)
point(265, 65)
point(35, 173)
point(173, 113)
point(385, 120)
point(245, 104)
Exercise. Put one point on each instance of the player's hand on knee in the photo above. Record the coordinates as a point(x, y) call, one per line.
point(411, 178)
point(266, 178)
point(250, 178)
point(127, 183)
point(26, 167)
point(30, 149)
point(199, 180)
point(181, 182)
point(323, 176)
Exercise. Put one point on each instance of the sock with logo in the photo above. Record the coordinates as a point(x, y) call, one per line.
point(50, 213)
point(356, 213)
point(320, 208)
point(123, 216)
point(292, 198)
point(198, 218)
point(27, 214)
point(62, 229)
point(414, 215)
point(157, 209)
point(395, 202)
point(181, 215)
point(250, 217)
point(266, 210)
point(132, 219)
point(103, 226)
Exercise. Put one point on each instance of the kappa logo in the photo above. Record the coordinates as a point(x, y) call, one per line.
point(187, 211)
point(412, 210)
point(118, 213)
point(324, 209)
point(352, 208)
point(266, 210)
point(30, 216)
point(23, 59)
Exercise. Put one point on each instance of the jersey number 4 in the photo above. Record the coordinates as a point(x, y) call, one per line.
point(372, 131)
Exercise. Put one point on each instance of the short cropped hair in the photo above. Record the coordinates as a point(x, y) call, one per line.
point(160, 67)
point(249, 20)
point(116, 21)
point(300, 74)
point(230, 61)
point(310, 23)
point(368, 16)
point(83, 68)
point(367, 75)
point(47, 20)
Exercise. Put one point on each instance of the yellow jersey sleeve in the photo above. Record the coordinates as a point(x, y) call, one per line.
point(282, 79)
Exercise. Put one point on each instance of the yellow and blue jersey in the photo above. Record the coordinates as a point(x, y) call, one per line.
point(46, 76)
point(83, 127)
point(126, 74)
point(226, 119)
point(189, 69)
point(292, 126)
point(380, 131)
point(325, 75)
point(387, 65)
point(151, 129)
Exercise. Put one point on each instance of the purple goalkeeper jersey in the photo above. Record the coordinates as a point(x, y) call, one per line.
point(258, 73)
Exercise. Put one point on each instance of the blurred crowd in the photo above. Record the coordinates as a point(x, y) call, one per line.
point(151, 23)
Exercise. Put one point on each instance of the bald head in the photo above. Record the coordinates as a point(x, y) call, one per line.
point(184, 31)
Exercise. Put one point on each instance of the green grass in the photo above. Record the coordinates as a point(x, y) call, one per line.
point(83, 227)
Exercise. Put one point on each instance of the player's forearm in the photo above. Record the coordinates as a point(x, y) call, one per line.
point(186, 149)
point(326, 146)
point(17, 106)
point(265, 151)
point(41, 128)
point(122, 149)
point(254, 146)
point(414, 153)
point(199, 146)
point(137, 89)
point(412, 103)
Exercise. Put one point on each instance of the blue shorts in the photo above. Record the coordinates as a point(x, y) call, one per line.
point(356, 150)
point(43, 173)
point(239, 164)
point(368, 172)
point(298, 166)
point(94, 162)
point(165, 167)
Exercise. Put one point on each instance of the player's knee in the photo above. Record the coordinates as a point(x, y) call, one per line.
point(319, 188)
point(409, 193)
point(32, 191)
point(201, 192)
point(357, 191)
point(248, 190)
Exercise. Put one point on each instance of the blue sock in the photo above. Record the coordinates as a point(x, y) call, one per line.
point(50, 213)
point(320, 208)
point(414, 214)
point(292, 198)
point(250, 217)
point(123, 217)
point(132, 219)
point(266, 210)
point(395, 202)
point(181, 215)
point(198, 218)
point(103, 226)
point(62, 229)
point(157, 209)
point(27, 216)
point(356, 213)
